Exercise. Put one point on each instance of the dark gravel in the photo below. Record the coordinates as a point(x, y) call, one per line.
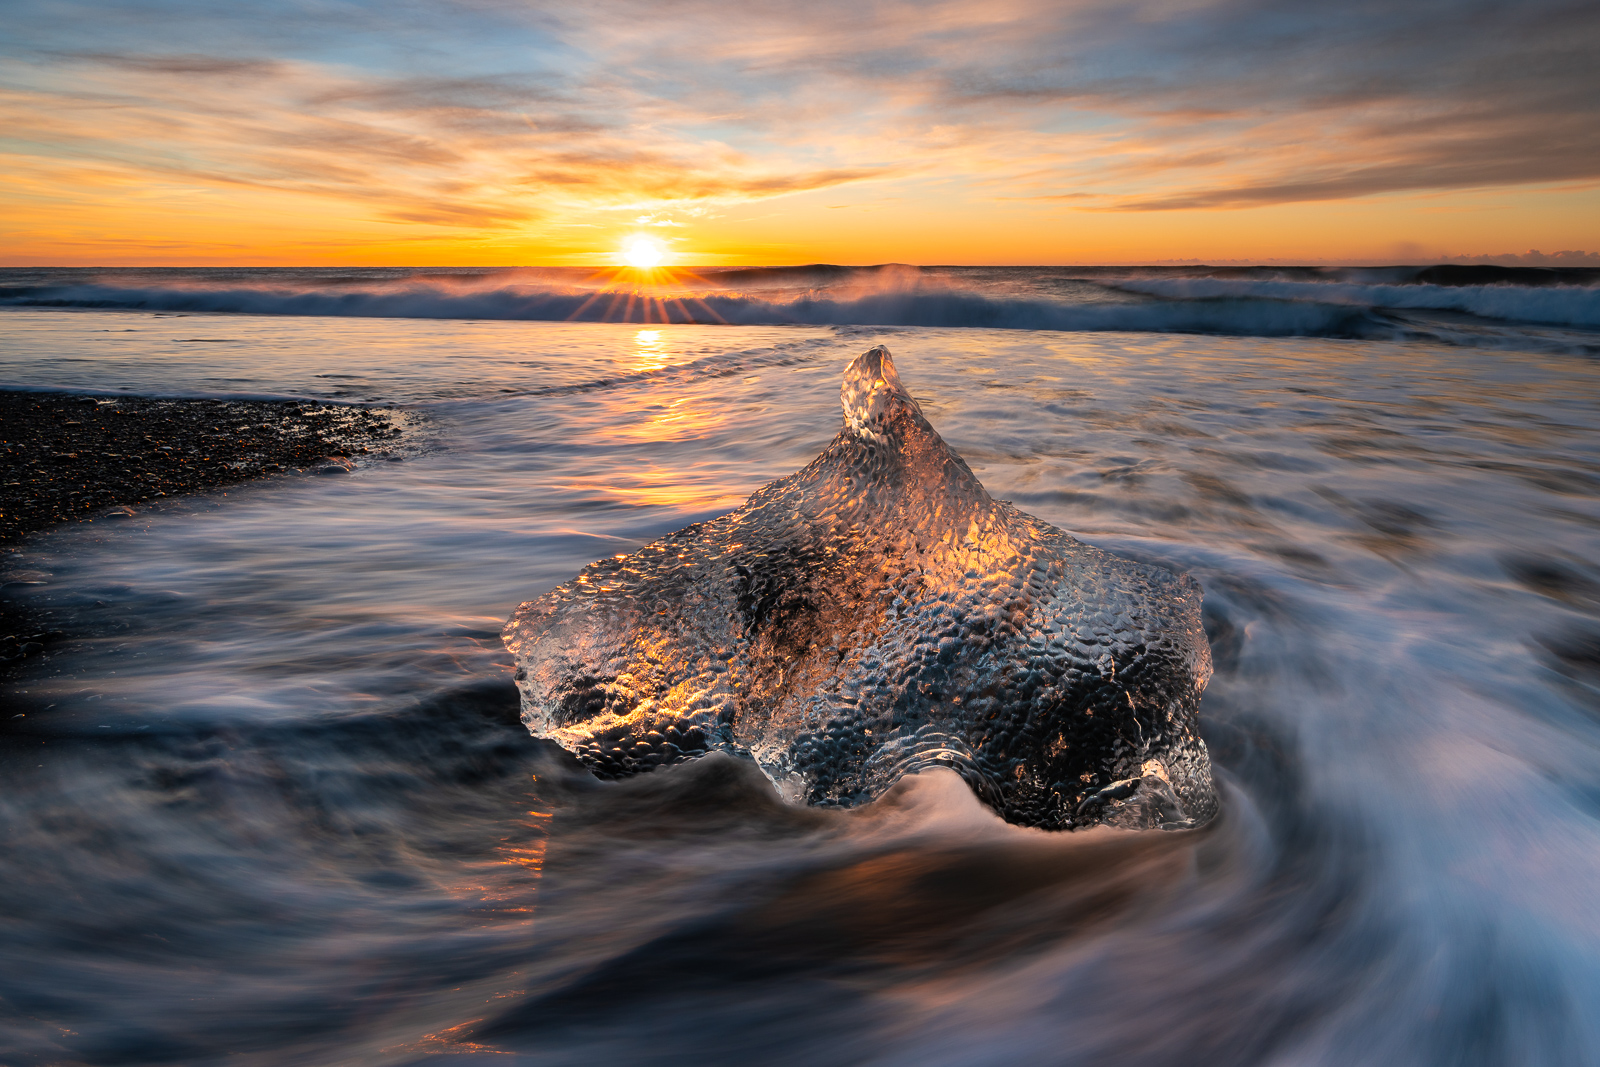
point(71, 458)
point(83, 458)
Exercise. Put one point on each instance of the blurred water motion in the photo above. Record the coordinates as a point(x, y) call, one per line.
point(281, 811)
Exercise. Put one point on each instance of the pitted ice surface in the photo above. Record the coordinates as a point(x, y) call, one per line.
point(875, 614)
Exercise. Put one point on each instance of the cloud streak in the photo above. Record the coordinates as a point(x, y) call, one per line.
point(462, 152)
point(477, 115)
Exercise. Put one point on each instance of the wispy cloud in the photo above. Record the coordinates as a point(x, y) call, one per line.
point(485, 115)
point(463, 152)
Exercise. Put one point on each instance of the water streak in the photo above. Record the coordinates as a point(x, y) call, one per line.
point(270, 802)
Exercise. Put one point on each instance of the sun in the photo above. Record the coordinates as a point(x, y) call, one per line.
point(643, 253)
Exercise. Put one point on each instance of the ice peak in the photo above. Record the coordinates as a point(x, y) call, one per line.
point(872, 395)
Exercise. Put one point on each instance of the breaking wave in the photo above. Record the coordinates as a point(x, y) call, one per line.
point(1562, 305)
point(1254, 316)
point(1398, 303)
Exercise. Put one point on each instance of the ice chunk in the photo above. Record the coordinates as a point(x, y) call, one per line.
point(875, 614)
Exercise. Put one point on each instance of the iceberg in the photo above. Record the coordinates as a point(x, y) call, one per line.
point(874, 615)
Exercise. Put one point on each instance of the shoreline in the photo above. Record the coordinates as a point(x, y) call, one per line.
point(78, 457)
point(71, 456)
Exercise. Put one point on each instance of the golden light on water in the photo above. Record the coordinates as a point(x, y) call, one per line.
point(651, 354)
point(663, 487)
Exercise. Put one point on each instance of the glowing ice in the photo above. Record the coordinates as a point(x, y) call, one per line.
point(875, 614)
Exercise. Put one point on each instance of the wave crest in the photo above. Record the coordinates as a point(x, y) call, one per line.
point(1506, 309)
point(913, 307)
point(1557, 305)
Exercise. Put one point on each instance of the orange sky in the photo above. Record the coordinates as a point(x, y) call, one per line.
point(1018, 132)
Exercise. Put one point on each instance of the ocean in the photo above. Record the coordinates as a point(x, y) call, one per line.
point(269, 803)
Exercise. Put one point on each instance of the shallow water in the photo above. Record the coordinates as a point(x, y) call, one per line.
point(271, 805)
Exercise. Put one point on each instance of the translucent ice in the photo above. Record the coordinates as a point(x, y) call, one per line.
point(875, 614)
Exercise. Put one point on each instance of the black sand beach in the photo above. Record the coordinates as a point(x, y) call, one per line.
point(73, 458)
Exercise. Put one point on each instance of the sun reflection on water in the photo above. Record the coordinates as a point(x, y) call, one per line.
point(650, 353)
point(658, 487)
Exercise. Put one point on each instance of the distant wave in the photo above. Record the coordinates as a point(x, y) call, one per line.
point(1557, 305)
point(940, 307)
point(1369, 303)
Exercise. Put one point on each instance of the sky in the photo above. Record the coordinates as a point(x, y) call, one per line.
point(444, 132)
